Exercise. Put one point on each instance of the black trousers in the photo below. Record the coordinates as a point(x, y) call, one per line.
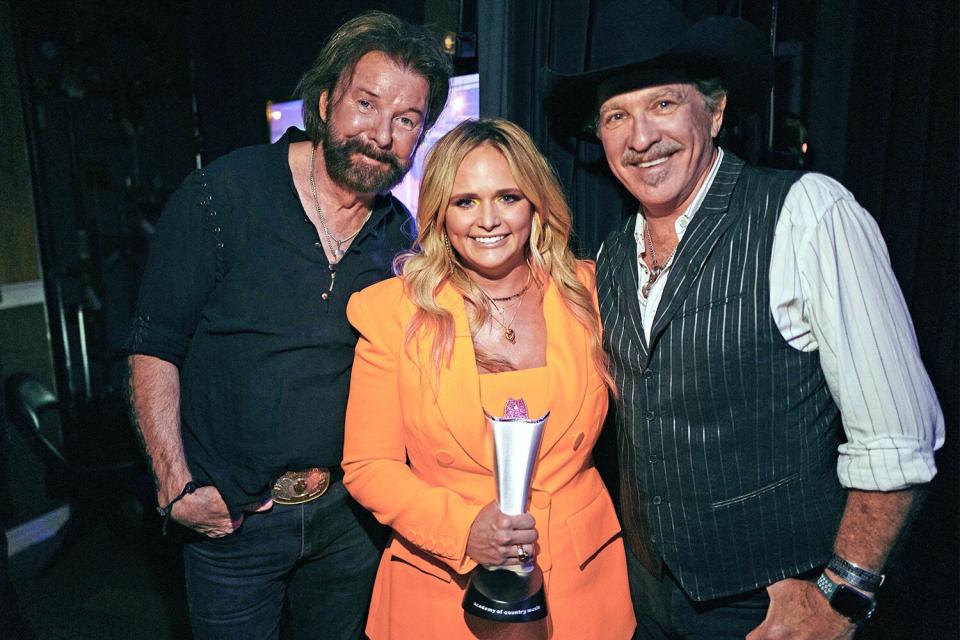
point(664, 611)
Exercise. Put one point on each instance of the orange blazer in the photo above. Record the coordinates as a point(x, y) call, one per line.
point(419, 455)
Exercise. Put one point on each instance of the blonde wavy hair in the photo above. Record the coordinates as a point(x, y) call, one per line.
point(431, 263)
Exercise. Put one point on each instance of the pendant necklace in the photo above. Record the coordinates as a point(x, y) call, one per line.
point(508, 333)
point(334, 244)
point(656, 270)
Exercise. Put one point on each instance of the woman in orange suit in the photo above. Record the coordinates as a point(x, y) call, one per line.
point(490, 304)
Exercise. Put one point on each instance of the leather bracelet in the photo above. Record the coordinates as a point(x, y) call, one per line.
point(165, 512)
point(857, 576)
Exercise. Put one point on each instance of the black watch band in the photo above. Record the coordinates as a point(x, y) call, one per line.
point(847, 601)
point(164, 512)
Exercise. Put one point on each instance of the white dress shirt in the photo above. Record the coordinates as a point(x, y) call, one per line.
point(832, 290)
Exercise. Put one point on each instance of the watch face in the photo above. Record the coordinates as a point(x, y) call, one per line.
point(851, 603)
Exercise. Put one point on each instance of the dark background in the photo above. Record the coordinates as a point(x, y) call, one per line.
point(120, 101)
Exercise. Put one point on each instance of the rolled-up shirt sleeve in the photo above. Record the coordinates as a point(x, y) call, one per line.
point(180, 274)
point(859, 321)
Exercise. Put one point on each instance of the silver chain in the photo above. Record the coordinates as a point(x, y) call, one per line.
point(656, 270)
point(332, 240)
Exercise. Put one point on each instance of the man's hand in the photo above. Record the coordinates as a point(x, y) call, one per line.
point(798, 611)
point(204, 511)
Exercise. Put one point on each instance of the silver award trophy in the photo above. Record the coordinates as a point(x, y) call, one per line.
point(512, 593)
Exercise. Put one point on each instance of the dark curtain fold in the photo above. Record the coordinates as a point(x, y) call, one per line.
point(883, 92)
point(902, 164)
point(516, 39)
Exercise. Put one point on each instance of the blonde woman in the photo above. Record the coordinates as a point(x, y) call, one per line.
point(490, 304)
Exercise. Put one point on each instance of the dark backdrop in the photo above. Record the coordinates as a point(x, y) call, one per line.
point(120, 97)
point(874, 85)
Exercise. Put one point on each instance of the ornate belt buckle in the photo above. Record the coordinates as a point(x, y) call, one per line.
point(297, 487)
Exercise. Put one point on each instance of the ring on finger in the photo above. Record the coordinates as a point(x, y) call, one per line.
point(522, 554)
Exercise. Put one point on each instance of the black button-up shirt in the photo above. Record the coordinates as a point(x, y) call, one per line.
point(233, 295)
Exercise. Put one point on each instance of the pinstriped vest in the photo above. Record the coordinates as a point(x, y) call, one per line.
point(727, 435)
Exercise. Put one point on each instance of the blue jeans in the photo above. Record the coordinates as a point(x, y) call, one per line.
point(311, 564)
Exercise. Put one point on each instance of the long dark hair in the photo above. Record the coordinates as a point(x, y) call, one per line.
point(410, 46)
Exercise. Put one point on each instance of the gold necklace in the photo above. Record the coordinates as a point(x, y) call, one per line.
point(517, 294)
point(508, 332)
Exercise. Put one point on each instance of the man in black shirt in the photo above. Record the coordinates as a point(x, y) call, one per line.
point(241, 350)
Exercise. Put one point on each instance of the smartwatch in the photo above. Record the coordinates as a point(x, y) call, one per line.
point(847, 601)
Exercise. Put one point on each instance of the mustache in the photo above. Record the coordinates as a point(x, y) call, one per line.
point(659, 150)
point(355, 145)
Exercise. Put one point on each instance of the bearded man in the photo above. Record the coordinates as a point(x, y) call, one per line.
point(241, 349)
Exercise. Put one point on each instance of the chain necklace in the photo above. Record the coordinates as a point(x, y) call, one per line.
point(508, 332)
point(517, 294)
point(656, 270)
point(333, 243)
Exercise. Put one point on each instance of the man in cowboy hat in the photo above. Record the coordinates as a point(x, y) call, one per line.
point(760, 343)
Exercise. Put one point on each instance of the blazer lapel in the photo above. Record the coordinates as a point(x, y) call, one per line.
point(709, 224)
point(457, 391)
point(568, 364)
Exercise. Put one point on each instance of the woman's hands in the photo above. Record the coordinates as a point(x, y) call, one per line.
point(495, 538)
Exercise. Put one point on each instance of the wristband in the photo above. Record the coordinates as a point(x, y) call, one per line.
point(164, 512)
point(857, 576)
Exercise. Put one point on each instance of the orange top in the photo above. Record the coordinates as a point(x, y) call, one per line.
point(530, 384)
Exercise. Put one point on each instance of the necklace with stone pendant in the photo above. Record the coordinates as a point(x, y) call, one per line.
point(334, 244)
point(656, 270)
point(508, 333)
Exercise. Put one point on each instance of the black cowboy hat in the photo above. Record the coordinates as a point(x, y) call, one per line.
point(640, 43)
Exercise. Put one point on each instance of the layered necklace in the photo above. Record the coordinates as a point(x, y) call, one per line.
point(508, 333)
point(656, 268)
point(334, 244)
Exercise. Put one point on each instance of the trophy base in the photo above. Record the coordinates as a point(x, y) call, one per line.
point(506, 596)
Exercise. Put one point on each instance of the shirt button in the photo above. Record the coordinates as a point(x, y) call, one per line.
point(324, 295)
point(657, 499)
point(683, 223)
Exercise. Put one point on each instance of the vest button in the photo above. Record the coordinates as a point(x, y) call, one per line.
point(648, 374)
point(654, 458)
point(657, 499)
point(650, 415)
